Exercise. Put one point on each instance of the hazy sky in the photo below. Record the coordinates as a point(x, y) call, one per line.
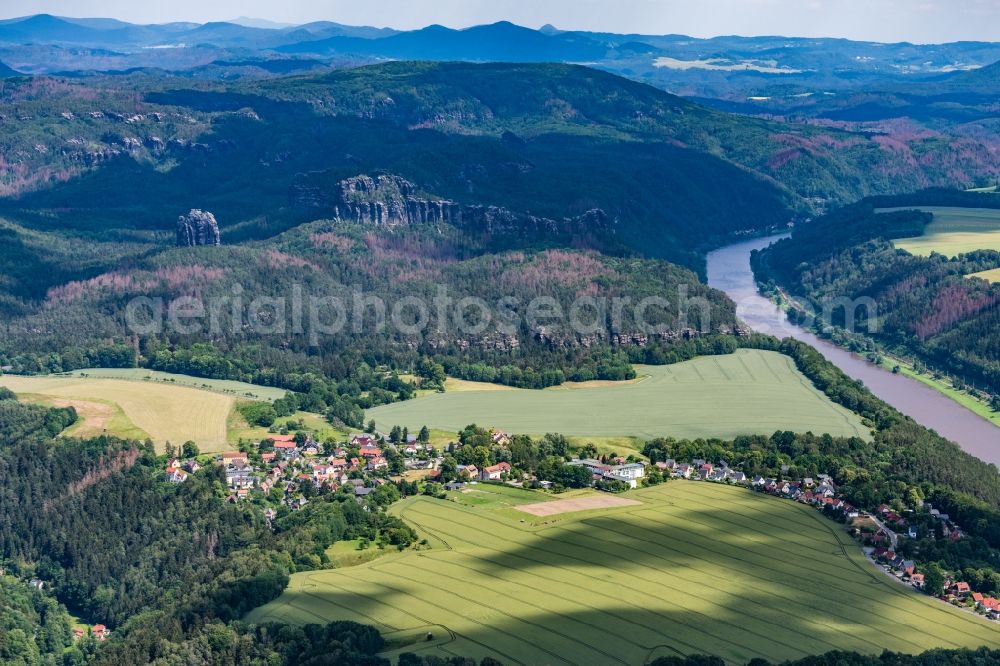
point(881, 20)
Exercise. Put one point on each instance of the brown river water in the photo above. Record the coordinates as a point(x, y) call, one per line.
point(729, 271)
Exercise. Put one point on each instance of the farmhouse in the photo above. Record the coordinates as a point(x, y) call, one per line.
point(495, 472)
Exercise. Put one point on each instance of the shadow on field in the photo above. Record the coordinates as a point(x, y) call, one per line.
point(620, 588)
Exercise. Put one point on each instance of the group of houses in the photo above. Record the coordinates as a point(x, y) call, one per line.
point(703, 470)
point(286, 462)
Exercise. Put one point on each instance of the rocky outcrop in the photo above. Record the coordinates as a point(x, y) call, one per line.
point(387, 200)
point(197, 228)
point(495, 220)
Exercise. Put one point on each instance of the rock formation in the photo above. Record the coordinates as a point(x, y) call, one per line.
point(388, 200)
point(197, 228)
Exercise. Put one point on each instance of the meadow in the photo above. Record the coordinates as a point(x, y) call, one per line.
point(747, 392)
point(694, 568)
point(954, 231)
point(162, 411)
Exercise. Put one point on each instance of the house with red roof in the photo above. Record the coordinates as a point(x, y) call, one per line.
point(231, 457)
point(363, 441)
point(176, 475)
point(494, 472)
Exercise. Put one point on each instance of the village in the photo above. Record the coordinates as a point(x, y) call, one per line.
point(287, 469)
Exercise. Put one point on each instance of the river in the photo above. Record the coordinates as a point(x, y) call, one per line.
point(729, 271)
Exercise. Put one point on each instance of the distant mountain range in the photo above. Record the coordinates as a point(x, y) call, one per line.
point(908, 99)
point(729, 67)
point(501, 41)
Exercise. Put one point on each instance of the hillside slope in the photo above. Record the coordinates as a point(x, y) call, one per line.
point(925, 306)
point(550, 140)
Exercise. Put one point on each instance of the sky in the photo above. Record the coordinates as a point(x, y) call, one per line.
point(920, 21)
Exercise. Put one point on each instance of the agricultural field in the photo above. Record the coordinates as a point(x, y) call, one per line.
point(747, 392)
point(693, 568)
point(229, 387)
point(954, 231)
point(992, 276)
point(163, 411)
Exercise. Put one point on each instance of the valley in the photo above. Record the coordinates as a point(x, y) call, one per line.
point(730, 271)
point(440, 340)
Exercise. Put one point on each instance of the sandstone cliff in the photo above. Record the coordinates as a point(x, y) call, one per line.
point(388, 200)
point(197, 228)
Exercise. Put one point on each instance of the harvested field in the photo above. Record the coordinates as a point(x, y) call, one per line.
point(580, 504)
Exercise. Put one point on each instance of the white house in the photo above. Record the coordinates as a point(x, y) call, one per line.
point(630, 471)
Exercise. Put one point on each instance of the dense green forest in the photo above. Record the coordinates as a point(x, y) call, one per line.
point(344, 370)
point(169, 568)
point(34, 628)
point(925, 306)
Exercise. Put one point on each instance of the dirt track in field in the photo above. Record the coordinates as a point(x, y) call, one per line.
point(94, 416)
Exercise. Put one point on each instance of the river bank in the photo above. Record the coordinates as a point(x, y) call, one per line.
point(729, 270)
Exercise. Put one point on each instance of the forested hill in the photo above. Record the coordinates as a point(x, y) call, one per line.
point(166, 567)
point(926, 306)
point(552, 140)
